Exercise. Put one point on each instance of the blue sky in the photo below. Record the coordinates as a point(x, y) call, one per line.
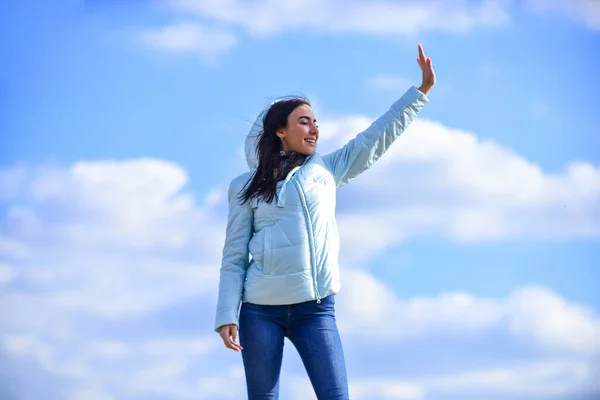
point(469, 252)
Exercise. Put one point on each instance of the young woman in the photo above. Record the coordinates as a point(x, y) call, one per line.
point(282, 214)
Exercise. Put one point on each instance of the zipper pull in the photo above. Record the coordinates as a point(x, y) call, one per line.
point(318, 299)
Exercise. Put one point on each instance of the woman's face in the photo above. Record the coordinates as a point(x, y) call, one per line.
point(302, 133)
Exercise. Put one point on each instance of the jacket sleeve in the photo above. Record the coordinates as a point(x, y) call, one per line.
point(235, 257)
point(368, 146)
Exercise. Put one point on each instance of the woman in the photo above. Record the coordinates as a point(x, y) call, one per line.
point(282, 213)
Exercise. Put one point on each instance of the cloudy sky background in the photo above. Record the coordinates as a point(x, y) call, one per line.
point(469, 252)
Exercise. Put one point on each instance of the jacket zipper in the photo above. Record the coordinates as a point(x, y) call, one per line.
point(311, 238)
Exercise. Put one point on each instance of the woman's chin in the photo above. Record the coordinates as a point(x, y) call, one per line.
point(308, 150)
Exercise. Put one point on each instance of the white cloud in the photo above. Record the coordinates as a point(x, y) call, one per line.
point(299, 388)
point(13, 248)
point(104, 368)
point(585, 11)
point(136, 206)
point(227, 385)
point(268, 17)
point(159, 378)
point(108, 243)
point(189, 37)
point(31, 346)
point(166, 379)
point(444, 181)
point(386, 389)
point(11, 181)
point(111, 239)
point(535, 314)
point(181, 348)
point(112, 349)
point(6, 274)
point(108, 204)
point(27, 345)
point(545, 317)
point(90, 394)
point(535, 379)
point(539, 379)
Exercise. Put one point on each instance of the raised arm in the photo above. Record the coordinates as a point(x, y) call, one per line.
point(235, 256)
point(368, 146)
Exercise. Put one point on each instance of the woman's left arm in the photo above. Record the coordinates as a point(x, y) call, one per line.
point(368, 146)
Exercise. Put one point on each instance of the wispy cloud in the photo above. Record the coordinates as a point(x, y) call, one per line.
point(6, 274)
point(376, 18)
point(583, 11)
point(189, 37)
point(266, 17)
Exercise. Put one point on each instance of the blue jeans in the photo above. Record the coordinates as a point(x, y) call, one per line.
point(312, 328)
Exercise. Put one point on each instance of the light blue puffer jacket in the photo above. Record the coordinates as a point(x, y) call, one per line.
point(286, 251)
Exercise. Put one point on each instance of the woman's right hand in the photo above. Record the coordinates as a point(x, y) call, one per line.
point(229, 334)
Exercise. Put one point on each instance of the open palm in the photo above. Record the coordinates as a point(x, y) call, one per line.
point(428, 73)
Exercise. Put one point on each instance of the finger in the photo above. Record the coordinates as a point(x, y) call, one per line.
point(234, 336)
point(226, 334)
point(421, 53)
point(228, 343)
point(430, 64)
point(233, 346)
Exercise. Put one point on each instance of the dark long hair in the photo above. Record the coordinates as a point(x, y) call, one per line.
point(263, 183)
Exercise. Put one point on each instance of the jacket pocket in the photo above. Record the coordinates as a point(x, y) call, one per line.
point(267, 250)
